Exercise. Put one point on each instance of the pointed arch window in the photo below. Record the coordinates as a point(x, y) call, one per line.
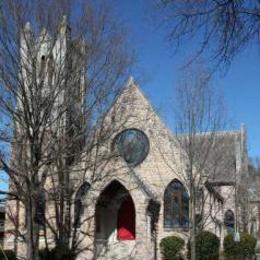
point(176, 205)
point(78, 209)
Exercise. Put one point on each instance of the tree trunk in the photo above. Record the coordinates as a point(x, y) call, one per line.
point(192, 220)
point(32, 245)
point(67, 220)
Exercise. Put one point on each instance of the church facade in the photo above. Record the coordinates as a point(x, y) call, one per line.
point(147, 198)
point(142, 194)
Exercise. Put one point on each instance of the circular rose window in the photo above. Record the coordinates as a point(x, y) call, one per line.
point(132, 145)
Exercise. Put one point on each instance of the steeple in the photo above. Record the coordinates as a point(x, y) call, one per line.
point(64, 28)
point(27, 27)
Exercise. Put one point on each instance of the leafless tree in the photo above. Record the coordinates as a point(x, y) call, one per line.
point(62, 64)
point(198, 145)
point(223, 28)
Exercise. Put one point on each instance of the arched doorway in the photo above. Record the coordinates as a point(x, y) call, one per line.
point(114, 217)
point(126, 220)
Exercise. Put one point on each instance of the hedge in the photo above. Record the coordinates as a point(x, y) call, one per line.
point(171, 247)
point(245, 249)
point(9, 254)
point(207, 246)
point(57, 253)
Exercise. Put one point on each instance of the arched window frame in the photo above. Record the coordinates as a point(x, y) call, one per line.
point(176, 206)
point(78, 204)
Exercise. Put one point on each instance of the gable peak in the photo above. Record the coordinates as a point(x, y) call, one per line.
point(27, 27)
point(130, 81)
point(132, 87)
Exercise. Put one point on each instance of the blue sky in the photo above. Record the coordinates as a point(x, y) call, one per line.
point(157, 71)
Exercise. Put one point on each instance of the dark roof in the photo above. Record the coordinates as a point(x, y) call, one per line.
point(223, 158)
point(216, 155)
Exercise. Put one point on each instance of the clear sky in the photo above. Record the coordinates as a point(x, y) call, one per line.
point(157, 71)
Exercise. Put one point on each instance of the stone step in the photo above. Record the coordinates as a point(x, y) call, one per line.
point(119, 250)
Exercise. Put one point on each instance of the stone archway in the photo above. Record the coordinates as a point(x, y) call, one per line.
point(114, 222)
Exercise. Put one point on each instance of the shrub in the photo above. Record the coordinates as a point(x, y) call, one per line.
point(45, 254)
point(257, 248)
point(245, 249)
point(207, 246)
point(171, 247)
point(9, 253)
point(57, 253)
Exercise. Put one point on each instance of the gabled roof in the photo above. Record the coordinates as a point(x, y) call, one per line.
point(134, 100)
point(226, 162)
point(224, 158)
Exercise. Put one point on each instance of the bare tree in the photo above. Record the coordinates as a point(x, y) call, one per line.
point(223, 28)
point(199, 115)
point(62, 64)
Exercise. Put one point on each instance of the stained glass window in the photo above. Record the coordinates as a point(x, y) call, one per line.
point(78, 209)
point(176, 205)
point(133, 146)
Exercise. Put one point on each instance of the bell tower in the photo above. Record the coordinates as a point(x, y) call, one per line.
point(53, 82)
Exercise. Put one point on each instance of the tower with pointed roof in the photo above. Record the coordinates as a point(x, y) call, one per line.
point(46, 85)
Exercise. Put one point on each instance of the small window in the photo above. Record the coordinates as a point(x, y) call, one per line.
point(42, 68)
point(229, 221)
point(78, 209)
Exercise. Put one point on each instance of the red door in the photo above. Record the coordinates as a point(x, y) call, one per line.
point(126, 220)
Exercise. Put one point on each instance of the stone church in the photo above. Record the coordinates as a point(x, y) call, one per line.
point(142, 194)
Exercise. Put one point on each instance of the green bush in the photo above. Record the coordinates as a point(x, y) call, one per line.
point(207, 246)
point(9, 254)
point(45, 254)
point(57, 253)
point(171, 248)
point(245, 249)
